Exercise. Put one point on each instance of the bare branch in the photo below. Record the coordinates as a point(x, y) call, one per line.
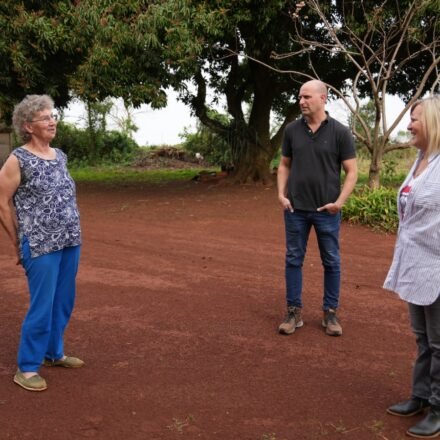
point(283, 56)
point(397, 146)
point(377, 50)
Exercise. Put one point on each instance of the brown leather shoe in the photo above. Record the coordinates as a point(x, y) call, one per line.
point(331, 323)
point(292, 321)
point(66, 362)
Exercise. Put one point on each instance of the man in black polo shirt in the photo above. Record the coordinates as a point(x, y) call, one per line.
point(315, 148)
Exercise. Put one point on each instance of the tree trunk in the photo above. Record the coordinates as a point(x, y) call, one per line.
point(252, 164)
point(373, 178)
point(92, 135)
point(375, 167)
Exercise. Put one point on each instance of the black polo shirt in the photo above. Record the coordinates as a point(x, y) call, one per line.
point(315, 174)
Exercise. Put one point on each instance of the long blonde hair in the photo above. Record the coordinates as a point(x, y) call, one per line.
point(430, 122)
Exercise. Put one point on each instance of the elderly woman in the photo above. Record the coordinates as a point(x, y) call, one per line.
point(44, 229)
point(415, 271)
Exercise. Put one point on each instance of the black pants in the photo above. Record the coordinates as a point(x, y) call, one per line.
point(425, 322)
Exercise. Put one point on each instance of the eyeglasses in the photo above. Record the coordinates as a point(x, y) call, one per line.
point(46, 118)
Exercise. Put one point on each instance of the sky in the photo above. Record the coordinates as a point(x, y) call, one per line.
point(160, 127)
point(155, 127)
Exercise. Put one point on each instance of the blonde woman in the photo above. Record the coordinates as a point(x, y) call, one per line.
point(415, 271)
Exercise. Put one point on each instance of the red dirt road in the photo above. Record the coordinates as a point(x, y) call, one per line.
point(180, 293)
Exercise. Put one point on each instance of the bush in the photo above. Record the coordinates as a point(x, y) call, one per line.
point(214, 149)
point(85, 148)
point(118, 147)
point(373, 207)
point(73, 141)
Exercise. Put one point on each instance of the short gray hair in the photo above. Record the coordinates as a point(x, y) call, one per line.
point(25, 111)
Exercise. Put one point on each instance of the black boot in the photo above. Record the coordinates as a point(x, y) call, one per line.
point(429, 427)
point(408, 408)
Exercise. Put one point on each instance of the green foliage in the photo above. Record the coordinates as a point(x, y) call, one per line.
point(214, 149)
point(275, 163)
point(373, 207)
point(37, 51)
point(95, 144)
point(390, 46)
point(395, 166)
point(125, 57)
point(137, 49)
point(97, 112)
point(367, 112)
point(73, 141)
point(389, 168)
point(113, 147)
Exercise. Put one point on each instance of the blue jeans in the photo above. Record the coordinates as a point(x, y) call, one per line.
point(51, 281)
point(327, 226)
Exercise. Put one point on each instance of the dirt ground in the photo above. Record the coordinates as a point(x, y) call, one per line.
point(180, 293)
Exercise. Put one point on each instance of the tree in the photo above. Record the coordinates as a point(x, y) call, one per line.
point(96, 126)
point(392, 46)
point(37, 53)
point(139, 48)
point(45, 47)
point(124, 53)
point(124, 119)
point(238, 49)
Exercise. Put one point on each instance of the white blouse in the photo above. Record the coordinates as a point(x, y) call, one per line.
point(415, 270)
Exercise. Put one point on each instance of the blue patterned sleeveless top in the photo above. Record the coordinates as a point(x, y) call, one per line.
point(45, 203)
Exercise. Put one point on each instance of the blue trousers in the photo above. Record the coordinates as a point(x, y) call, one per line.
point(51, 281)
point(298, 225)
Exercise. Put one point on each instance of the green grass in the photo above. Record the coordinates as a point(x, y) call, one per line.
point(391, 181)
point(376, 208)
point(118, 175)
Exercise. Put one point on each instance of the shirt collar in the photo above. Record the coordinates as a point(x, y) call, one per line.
point(324, 122)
